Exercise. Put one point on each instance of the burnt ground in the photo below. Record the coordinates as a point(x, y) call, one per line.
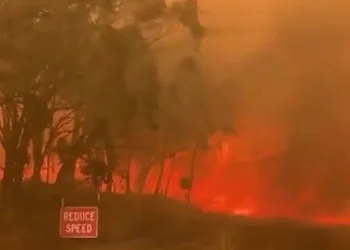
point(147, 222)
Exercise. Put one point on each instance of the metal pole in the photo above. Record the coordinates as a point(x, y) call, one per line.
point(62, 202)
point(98, 198)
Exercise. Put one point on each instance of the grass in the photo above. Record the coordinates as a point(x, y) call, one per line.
point(122, 218)
point(143, 222)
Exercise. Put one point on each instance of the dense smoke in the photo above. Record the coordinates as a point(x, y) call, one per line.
point(289, 63)
point(316, 159)
point(264, 99)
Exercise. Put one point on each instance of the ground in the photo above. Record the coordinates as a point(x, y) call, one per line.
point(147, 222)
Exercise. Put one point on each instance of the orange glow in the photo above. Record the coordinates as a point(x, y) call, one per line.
point(226, 183)
point(230, 185)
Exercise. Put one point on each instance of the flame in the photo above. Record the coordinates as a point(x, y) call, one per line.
point(228, 183)
point(225, 182)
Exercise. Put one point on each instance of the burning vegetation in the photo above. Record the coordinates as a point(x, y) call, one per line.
point(84, 106)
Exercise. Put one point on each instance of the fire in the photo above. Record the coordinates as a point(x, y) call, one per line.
point(228, 184)
point(225, 182)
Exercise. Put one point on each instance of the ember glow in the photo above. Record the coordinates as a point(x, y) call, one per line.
point(234, 186)
point(290, 157)
point(228, 183)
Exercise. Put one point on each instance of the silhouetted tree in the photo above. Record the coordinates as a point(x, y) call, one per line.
point(61, 53)
point(15, 140)
point(96, 171)
point(198, 109)
point(69, 152)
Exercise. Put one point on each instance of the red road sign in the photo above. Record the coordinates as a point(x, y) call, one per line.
point(79, 222)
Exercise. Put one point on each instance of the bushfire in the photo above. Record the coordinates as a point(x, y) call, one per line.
point(225, 182)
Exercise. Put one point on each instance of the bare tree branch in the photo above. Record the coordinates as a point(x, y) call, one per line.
point(160, 37)
point(66, 133)
point(64, 120)
point(67, 107)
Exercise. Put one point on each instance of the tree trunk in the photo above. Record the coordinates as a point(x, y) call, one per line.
point(16, 143)
point(160, 178)
point(111, 163)
point(192, 168)
point(21, 161)
point(8, 179)
point(142, 179)
point(38, 157)
point(169, 178)
point(13, 174)
point(18, 181)
point(48, 165)
point(127, 177)
point(65, 175)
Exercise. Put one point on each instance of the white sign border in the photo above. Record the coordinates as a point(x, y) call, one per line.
point(79, 237)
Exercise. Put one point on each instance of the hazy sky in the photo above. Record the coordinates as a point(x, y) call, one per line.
point(272, 49)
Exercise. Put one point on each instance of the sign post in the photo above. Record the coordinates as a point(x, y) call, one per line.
point(79, 222)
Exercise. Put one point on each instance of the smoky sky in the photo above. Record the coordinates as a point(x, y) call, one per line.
point(290, 62)
point(272, 50)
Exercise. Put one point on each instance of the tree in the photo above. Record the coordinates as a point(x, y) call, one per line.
point(15, 140)
point(188, 15)
point(96, 171)
point(70, 54)
point(40, 66)
point(191, 110)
